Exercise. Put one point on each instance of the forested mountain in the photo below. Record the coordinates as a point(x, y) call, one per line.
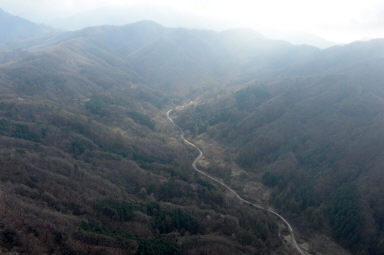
point(151, 54)
point(89, 164)
point(314, 136)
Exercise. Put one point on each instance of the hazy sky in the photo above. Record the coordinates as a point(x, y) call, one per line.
point(337, 20)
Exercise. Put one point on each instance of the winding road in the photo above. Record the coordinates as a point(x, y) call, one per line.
point(293, 239)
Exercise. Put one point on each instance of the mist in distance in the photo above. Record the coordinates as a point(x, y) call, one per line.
point(318, 23)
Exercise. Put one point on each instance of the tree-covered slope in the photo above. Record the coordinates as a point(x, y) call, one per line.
point(89, 163)
point(314, 138)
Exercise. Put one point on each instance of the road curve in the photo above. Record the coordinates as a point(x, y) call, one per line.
point(294, 243)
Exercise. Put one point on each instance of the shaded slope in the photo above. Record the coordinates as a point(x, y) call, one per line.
point(314, 138)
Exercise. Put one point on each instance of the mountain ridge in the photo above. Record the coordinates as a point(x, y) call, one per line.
point(16, 29)
point(84, 138)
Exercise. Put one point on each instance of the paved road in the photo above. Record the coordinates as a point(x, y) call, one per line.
point(293, 239)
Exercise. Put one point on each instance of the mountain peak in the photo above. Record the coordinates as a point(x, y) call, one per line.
point(146, 24)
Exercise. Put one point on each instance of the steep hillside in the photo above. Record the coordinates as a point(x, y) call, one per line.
point(169, 58)
point(314, 139)
point(101, 177)
point(89, 163)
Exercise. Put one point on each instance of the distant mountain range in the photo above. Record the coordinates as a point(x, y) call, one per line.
point(300, 38)
point(169, 17)
point(14, 28)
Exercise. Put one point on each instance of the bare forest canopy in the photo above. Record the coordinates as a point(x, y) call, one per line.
point(89, 163)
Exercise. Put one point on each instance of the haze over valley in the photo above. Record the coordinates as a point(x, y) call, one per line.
point(187, 135)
